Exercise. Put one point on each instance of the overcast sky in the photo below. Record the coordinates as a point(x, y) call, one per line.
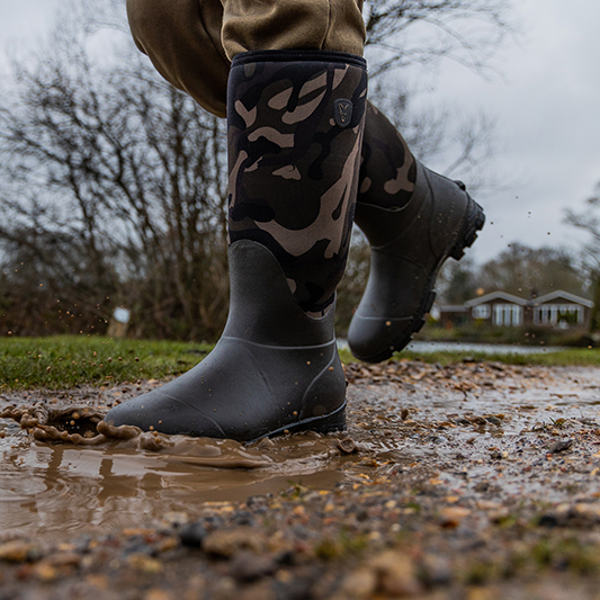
point(545, 105)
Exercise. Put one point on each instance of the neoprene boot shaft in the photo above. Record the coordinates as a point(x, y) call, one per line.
point(295, 127)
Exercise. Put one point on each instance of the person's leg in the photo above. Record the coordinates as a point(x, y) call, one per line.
point(295, 126)
point(191, 43)
point(182, 38)
point(295, 133)
point(400, 291)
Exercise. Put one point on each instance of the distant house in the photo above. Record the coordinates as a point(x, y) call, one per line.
point(557, 309)
point(561, 309)
point(499, 308)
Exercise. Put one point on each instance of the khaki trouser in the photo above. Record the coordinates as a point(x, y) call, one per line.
point(191, 42)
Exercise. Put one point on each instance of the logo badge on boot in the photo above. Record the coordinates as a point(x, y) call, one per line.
point(342, 113)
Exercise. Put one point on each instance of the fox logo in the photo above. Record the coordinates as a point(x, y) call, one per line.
point(342, 113)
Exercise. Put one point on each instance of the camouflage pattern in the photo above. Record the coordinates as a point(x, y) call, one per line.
point(388, 171)
point(295, 130)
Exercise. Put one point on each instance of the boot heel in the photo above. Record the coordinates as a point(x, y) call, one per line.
point(335, 421)
point(330, 423)
point(474, 221)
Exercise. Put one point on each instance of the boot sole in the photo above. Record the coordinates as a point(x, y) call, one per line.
point(472, 223)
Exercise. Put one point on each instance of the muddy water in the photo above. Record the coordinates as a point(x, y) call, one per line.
point(49, 486)
point(58, 474)
point(62, 487)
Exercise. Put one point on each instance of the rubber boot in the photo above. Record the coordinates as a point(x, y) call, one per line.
point(414, 219)
point(274, 368)
point(295, 123)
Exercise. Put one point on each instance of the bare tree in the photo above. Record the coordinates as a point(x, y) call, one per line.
point(126, 174)
point(458, 281)
point(588, 220)
point(465, 143)
point(529, 272)
point(406, 32)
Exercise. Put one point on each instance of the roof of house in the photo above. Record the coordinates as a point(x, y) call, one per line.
point(512, 299)
point(497, 295)
point(561, 294)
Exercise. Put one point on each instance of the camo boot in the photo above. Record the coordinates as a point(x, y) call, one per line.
point(414, 219)
point(295, 127)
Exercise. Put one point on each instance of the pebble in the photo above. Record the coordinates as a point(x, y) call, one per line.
point(192, 534)
point(248, 566)
point(45, 572)
point(157, 594)
point(548, 520)
point(436, 570)
point(138, 545)
point(587, 511)
point(225, 589)
point(396, 574)
point(451, 516)
point(362, 583)
point(227, 543)
point(167, 544)
point(561, 446)
point(347, 446)
point(64, 559)
point(17, 551)
point(146, 564)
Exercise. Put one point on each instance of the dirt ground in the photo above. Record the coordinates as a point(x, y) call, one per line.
point(475, 480)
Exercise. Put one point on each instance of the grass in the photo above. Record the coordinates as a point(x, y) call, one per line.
point(64, 362)
point(561, 358)
point(67, 361)
point(584, 357)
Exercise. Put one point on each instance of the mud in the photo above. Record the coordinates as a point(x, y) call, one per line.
point(65, 470)
point(465, 461)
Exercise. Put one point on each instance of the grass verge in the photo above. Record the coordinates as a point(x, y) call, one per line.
point(67, 361)
point(64, 362)
point(583, 357)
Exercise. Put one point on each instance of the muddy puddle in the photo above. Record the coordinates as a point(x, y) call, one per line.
point(478, 428)
point(47, 488)
point(52, 485)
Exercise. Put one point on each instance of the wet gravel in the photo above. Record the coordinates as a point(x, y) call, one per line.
point(475, 480)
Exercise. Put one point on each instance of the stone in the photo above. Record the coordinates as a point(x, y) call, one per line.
point(396, 574)
point(192, 535)
point(561, 446)
point(247, 566)
point(451, 516)
point(17, 551)
point(145, 564)
point(360, 584)
point(228, 543)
